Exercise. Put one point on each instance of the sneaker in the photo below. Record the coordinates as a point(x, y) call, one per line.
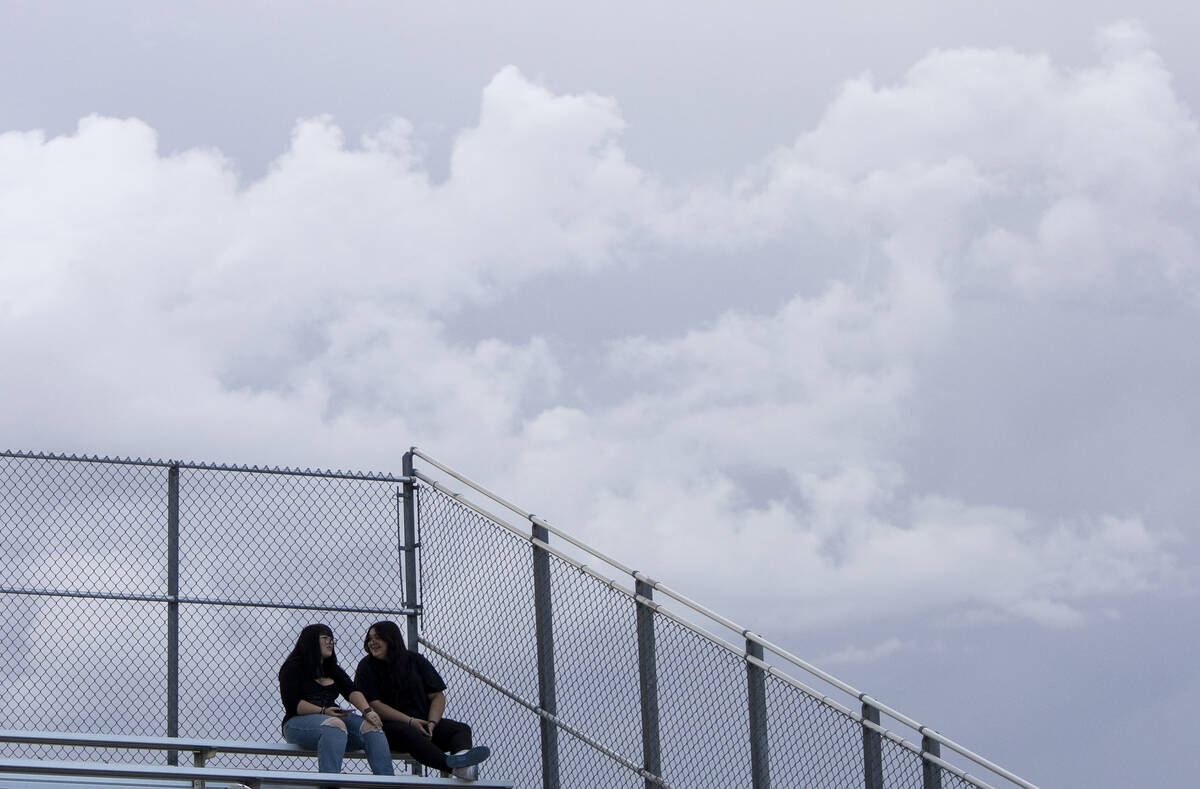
point(467, 773)
point(469, 758)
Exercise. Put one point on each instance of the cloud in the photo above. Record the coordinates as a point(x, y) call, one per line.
point(855, 654)
point(155, 304)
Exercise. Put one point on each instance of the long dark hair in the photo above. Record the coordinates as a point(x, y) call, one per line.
point(307, 652)
point(397, 653)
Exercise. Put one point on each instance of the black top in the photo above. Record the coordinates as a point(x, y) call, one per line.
point(294, 687)
point(410, 694)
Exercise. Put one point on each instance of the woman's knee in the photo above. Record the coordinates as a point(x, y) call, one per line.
point(335, 723)
point(455, 730)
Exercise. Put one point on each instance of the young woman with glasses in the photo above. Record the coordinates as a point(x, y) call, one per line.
point(309, 683)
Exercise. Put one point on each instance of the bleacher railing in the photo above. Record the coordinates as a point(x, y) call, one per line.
point(646, 686)
point(148, 597)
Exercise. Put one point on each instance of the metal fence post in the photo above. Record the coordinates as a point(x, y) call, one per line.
point(872, 749)
point(173, 608)
point(756, 685)
point(648, 684)
point(410, 550)
point(931, 774)
point(409, 505)
point(545, 652)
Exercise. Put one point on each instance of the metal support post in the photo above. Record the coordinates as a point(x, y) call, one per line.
point(410, 551)
point(173, 608)
point(408, 504)
point(872, 749)
point(931, 774)
point(200, 758)
point(756, 685)
point(648, 684)
point(543, 617)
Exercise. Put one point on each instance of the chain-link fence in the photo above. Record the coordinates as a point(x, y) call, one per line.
point(719, 718)
point(159, 598)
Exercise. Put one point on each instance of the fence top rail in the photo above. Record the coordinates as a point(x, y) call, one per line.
point(795, 660)
point(366, 476)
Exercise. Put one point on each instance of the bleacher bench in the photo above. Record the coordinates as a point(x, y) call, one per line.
point(200, 773)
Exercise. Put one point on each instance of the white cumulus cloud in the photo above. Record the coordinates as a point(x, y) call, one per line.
point(316, 316)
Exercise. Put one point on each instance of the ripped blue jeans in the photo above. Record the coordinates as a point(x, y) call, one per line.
point(332, 742)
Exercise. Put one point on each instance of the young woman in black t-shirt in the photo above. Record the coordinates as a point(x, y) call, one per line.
point(408, 693)
point(310, 681)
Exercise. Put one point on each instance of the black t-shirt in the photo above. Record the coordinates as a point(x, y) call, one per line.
point(409, 694)
point(294, 687)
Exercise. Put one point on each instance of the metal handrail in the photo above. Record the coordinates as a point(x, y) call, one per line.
point(845, 687)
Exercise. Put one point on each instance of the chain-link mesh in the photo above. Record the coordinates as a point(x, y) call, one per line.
point(89, 527)
point(496, 720)
point(903, 767)
point(478, 592)
point(84, 596)
point(289, 539)
point(260, 556)
point(812, 743)
point(477, 610)
point(280, 540)
point(76, 663)
point(703, 709)
point(82, 665)
point(596, 665)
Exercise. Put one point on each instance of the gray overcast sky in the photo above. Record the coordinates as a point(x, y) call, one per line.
point(706, 87)
point(873, 323)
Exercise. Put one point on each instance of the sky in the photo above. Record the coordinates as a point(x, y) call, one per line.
point(871, 327)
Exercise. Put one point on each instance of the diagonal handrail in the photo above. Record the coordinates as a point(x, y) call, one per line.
point(923, 730)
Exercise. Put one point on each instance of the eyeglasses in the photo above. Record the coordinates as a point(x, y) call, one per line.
point(329, 640)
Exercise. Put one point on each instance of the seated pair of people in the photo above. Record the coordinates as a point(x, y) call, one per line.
point(398, 693)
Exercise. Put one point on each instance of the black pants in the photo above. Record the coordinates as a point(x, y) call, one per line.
point(448, 736)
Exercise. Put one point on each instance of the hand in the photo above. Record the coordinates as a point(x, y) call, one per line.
point(373, 718)
point(423, 726)
point(336, 711)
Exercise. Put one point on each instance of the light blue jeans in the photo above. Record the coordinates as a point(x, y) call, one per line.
point(332, 742)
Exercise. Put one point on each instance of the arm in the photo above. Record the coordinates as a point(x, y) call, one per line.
point(308, 708)
point(359, 701)
point(390, 713)
point(437, 706)
point(289, 690)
